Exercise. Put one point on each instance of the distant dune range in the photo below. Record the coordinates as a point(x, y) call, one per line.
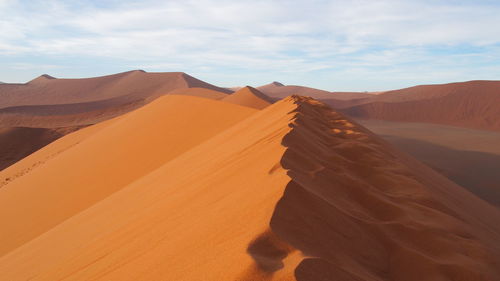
point(473, 104)
point(295, 191)
point(46, 102)
point(278, 91)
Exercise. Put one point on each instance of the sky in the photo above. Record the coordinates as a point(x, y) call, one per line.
point(335, 45)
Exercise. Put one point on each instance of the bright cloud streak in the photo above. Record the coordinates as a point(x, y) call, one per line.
point(336, 45)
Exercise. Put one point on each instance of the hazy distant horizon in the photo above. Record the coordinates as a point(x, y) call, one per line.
point(331, 45)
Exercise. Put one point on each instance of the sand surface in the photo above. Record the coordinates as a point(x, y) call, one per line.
point(294, 191)
point(200, 92)
point(56, 186)
point(46, 108)
point(471, 158)
point(248, 96)
point(473, 104)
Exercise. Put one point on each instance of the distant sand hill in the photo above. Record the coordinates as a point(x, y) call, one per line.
point(473, 104)
point(46, 108)
point(189, 188)
point(47, 102)
point(250, 97)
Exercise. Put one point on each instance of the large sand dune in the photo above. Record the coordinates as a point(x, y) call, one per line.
point(473, 104)
point(200, 92)
point(49, 104)
point(295, 191)
point(79, 171)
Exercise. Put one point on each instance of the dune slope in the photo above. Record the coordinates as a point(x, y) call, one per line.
point(47, 188)
point(473, 104)
point(200, 92)
point(248, 96)
point(294, 192)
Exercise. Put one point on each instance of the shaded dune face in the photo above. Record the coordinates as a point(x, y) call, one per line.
point(18, 142)
point(360, 214)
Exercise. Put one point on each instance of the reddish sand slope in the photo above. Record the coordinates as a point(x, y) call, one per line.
point(294, 192)
point(250, 97)
point(270, 86)
point(52, 188)
point(474, 104)
point(44, 91)
point(469, 157)
point(18, 142)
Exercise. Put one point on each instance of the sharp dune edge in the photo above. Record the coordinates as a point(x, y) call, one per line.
point(293, 192)
point(54, 105)
point(80, 169)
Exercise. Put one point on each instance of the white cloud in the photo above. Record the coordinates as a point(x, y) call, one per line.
point(280, 36)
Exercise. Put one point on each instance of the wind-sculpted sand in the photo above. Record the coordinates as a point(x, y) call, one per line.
point(295, 191)
point(101, 161)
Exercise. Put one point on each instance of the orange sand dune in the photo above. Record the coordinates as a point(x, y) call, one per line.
point(50, 103)
point(52, 188)
point(250, 97)
point(294, 192)
point(200, 92)
point(473, 104)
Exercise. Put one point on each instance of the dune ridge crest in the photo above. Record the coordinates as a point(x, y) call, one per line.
point(249, 96)
point(295, 191)
point(356, 209)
